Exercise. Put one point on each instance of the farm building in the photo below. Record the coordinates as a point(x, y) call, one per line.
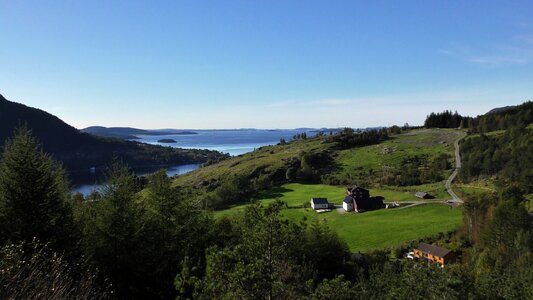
point(319, 203)
point(435, 254)
point(358, 199)
point(423, 195)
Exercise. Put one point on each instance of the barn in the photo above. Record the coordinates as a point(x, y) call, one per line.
point(358, 199)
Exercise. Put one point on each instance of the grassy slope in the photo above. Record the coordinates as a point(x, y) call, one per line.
point(269, 157)
point(416, 142)
point(392, 152)
point(387, 227)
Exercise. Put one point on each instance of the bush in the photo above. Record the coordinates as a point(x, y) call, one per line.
point(32, 271)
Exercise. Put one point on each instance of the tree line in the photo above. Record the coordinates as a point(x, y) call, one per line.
point(445, 119)
point(349, 138)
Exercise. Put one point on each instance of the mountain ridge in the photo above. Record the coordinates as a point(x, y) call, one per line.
point(80, 151)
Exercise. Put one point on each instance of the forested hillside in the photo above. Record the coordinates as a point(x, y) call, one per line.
point(503, 150)
point(515, 116)
point(80, 151)
point(164, 241)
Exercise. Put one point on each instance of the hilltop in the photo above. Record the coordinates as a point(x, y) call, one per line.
point(80, 151)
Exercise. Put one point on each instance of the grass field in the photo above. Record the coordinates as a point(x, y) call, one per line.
point(475, 188)
point(366, 231)
point(356, 160)
point(296, 193)
point(390, 153)
point(267, 158)
point(384, 228)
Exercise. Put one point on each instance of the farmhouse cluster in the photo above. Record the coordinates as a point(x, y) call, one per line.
point(357, 199)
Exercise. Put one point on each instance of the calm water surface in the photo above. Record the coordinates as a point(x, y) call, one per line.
point(233, 142)
point(87, 189)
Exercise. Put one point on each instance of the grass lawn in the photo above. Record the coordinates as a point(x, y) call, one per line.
point(384, 228)
point(295, 194)
point(366, 231)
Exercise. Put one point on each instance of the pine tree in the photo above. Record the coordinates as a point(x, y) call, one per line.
point(34, 195)
point(113, 237)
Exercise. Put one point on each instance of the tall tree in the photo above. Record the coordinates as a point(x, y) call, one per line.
point(113, 235)
point(34, 195)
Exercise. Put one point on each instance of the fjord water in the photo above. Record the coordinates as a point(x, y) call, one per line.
point(87, 188)
point(234, 142)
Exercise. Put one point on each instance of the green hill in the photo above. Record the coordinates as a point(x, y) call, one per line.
point(319, 160)
point(80, 151)
point(229, 186)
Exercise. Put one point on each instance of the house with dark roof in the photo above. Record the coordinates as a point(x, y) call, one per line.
point(319, 203)
point(358, 199)
point(439, 255)
point(423, 195)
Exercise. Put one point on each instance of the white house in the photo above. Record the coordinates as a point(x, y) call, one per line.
point(347, 204)
point(319, 203)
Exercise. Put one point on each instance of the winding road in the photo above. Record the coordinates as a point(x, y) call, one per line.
point(448, 185)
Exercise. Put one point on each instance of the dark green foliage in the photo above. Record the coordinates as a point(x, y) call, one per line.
point(509, 155)
point(112, 228)
point(415, 170)
point(141, 242)
point(414, 281)
point(337, 288)
point(446, 119)
point(349, 138)
point(519, 116)
point(313, 164)
point(271, 259)
point(33, 196)
point(510, 228)
point(300, 136)
point(395, 130)
point(324, 250)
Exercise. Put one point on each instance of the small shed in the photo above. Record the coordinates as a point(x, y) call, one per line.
point(319, 203)
point(423, 195)
point(347, 203)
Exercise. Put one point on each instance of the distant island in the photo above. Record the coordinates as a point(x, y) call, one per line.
point(128, 133)
point(167, 141)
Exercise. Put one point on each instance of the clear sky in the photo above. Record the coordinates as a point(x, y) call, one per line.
point(264, 64)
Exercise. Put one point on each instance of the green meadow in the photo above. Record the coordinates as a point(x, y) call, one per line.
point(364, 231)
point(384, 228)
point(390, 153)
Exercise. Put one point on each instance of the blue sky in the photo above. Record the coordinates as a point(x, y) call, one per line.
point(264, 64)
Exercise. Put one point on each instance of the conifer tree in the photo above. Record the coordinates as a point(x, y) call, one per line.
point(34, 195)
